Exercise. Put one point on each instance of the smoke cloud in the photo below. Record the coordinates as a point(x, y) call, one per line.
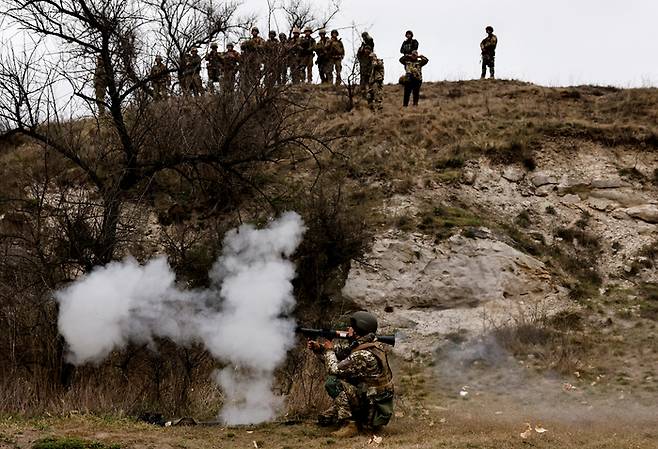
point(241, 319)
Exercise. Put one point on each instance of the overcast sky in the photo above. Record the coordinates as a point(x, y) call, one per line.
point(556, 42)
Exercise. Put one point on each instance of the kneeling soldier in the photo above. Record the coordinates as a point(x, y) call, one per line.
point(360, 380)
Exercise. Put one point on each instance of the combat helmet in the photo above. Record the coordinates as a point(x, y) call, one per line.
point(308, 30)
point(363, 323)
point(334, 32)
point(213, 45)
point(322, 31)
point(255, 30)
point(489, 29)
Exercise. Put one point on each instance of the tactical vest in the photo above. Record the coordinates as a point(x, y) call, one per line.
point(384, 381)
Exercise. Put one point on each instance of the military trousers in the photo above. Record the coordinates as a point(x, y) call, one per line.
point(488, 61)
point(411, 86)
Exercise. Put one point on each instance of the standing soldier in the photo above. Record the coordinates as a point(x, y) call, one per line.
point(335, 53)
point(413, 67)
point(409, 44)
point(321, 52)
point(360, 380)
point(284, 57)
point(160, 79)
point(214, 66)
point(307, 44)
point(272, 60)
point(376, 88)
point(230, 64)
point(193, 69)
point(252, 58)
point(488, 48)
point(183, 78)
point(367, 40)
point(363, 55)
point(295, 51)
point(100, 84)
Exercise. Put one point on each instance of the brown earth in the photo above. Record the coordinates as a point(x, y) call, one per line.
point(592, 385)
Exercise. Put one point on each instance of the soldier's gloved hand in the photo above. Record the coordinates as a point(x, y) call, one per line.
point(315, 346)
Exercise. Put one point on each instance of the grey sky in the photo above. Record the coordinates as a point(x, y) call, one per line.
point(558, 42)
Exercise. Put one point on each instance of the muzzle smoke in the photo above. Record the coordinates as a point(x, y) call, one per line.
point(241, 318)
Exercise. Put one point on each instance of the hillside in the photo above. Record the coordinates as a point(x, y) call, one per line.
point(507, 232)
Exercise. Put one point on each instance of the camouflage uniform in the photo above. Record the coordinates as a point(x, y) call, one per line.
point(100, 84)
point(307, 44)
point(335, 53)
point(361, 383)
point(214, 67)
point(365, 62)
point(322, 60)
point(284, 58)
point(193, 73)
point(488, 48)
point(272, 60)
point(230, 64)
point(252, 57)
point(160, 79)
point(376, 87)
point(413, 67)
point(295, 57)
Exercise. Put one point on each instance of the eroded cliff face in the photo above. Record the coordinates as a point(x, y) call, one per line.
point(425, 288)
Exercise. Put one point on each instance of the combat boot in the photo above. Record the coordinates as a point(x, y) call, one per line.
point(348, 430)
point(328, 418)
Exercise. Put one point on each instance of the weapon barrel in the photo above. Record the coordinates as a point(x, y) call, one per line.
point(330, 334)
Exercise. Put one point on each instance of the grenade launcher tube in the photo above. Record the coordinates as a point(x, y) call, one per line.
point(331, 334)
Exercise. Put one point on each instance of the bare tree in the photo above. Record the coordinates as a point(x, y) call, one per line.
point(302, 13)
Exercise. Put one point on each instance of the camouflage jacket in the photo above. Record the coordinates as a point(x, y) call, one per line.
point(377, 74)
point(160, 74)
point(488, 45)
point(214, 60)
point(321, 47)
point(307, 44)
point(253, 45)
point(414, 67)
point(230, 60)
point(408, 46)
point(366, 366)
point(335, 49)
point(193, 64)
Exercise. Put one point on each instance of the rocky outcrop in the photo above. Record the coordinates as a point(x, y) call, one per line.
point(645, 212)
point(423, 289)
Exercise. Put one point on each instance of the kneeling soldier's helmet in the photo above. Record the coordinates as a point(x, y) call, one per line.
point(363, 323)
point(489, 29)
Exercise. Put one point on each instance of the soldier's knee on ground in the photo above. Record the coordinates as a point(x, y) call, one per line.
point(333, 386)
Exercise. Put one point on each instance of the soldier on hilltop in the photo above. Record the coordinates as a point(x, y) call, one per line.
point(335, 54)
point(409, 44)
point(214, 66)
point(488, 49)
point(307, 46)
point(160, 79)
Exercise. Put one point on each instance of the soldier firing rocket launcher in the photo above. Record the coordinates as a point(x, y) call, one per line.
point(331, 334)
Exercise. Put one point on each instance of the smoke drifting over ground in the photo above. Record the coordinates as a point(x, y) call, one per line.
point(240, 318)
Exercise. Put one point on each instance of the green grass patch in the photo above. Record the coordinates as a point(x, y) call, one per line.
point(71, 443)
point(444, 221)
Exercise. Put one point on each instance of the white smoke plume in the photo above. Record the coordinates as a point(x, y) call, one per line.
point(241, 318)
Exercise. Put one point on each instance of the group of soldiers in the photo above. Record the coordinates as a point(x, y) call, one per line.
point(277, 60)
point(282, 58)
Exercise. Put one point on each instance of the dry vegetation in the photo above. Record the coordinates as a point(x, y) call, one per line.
point(375, 158)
